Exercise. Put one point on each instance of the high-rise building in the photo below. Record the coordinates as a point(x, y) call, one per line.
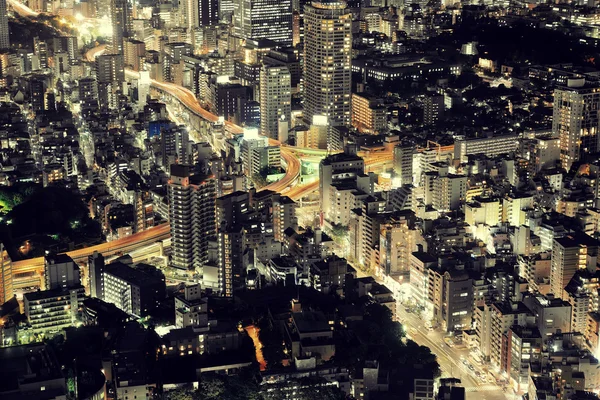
point(109, 68)
point(275, 98)
point(65, 44)
point(570, 254)
point(264, 19)
point(135, 52)
point(327, 61)
point(337, 168)
point(444, 191)
point(175, 146)
point(368, 114)
point(137, 291)
point(95, 271)
point(49, 311)
point(576, 122)
point(110, 74)
point(88, 95)
point(226, 10)
point(403, 163)
point(4, 36)
point(37, 91)
point(191, 215)
point(60, 272)
point(231, 212)
point(6, 276)
point(433, 109)
point(40, 50)
point(201, 13)
point(122, 23)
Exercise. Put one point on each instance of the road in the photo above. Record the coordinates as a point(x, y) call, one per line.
point(23, 270)
point(94, 52)
point(451, 359)
point(22, 9)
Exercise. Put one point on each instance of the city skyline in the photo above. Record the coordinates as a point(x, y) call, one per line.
point(291, 200)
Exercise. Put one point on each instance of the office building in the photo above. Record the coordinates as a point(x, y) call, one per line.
point(226, 10)
point(175, 146)
point(65, 44)
point(327, 61)
point(397, 241)
point(122, 24)
point(451, 294)
point(110, 74)
point(88, 96)
point(4, 36)
point(264, 19)
point(201, 13)
point(40, 50)
point(60, 272)
point(37, 90)
point(575, 121)
point(95, 272)
point(502, 317)
point(191, 216)
point(275, 98)
point(137, 291)
point(134, 54)
point(277, 209)
point(553, 315)
point(231, 211)
point(570, 254)
point(524, 348)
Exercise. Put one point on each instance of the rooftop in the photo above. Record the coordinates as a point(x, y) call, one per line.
point(133, 275)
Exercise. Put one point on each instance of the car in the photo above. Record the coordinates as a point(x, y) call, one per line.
point(472, 368)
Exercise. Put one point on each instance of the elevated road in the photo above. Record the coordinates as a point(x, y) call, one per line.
point(26, 269)
point(22, 9)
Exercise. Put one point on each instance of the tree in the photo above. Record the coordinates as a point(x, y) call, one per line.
point(181, 394)
point(218, 387)
point(272, 341)
point(211, 388)
point(339, 232)
point(259, 181)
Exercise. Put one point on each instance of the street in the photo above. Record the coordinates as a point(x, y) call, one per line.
point(451, 359)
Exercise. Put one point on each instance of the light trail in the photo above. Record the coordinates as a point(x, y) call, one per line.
point(116, 247)
point(22, 9)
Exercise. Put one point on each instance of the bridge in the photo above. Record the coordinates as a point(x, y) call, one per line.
point(30, 272)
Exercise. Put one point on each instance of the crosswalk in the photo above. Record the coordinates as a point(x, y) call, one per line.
point(484, 388)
